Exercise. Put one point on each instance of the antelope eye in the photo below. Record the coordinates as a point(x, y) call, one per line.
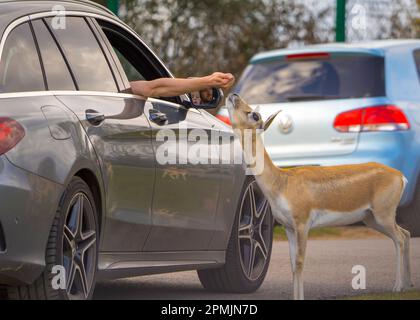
point(256, 116)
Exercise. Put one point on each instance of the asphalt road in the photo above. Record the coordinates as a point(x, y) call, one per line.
point(327, 274)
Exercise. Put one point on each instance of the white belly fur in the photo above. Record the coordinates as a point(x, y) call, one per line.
point(318, 218)
point(325, 218)
point(281, 212)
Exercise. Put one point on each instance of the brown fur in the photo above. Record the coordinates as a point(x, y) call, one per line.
point(299, 197)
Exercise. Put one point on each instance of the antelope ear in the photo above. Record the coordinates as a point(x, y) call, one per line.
point(258, 109)
point(270, 120)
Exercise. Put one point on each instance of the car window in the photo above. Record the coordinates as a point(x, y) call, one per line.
point(20, 68)
point(85, 56)
point(417, 59)
point(333, 77)
point(134, 59)
point(56, 70)
point(130, 71)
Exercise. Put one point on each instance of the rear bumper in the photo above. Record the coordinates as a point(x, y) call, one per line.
point(396, 150)
point(28, 205)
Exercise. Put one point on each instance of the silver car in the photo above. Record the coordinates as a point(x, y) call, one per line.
point(81, 191)
point(342, 104)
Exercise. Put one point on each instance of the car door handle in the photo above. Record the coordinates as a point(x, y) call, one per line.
point(94, 117)
point(157, 117)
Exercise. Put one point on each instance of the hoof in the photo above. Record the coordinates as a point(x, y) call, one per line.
point(401, 289)
point(398, 289)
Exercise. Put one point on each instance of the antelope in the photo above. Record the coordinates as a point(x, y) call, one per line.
point(310, 197)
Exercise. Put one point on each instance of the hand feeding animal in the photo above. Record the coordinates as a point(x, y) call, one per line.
point(309, 197)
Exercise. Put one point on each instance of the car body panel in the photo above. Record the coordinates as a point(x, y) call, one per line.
point(113, 266)
point(312, 121)
point(402, 79)
point(379, 48)
point(232, 179)
point(29, 203)
point(127, 160)
point(39, 152)
point(186, 194)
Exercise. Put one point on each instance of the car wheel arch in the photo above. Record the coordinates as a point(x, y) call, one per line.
point(92, 181)
point(92, 176)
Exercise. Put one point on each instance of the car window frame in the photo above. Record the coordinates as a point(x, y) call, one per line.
point(38, 50)
point(416, 57)
point(101, 38)
point(151, 59)
point(155, 66)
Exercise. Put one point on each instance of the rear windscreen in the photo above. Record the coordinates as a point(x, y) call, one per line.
point(335, 77)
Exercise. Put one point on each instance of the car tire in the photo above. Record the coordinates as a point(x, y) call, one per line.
point(3, 292)
point(239, 274)
point(409, 217)
point(71, 244)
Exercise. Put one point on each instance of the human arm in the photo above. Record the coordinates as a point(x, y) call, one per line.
point(171, 87)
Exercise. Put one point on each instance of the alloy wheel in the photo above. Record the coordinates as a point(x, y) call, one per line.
point(79, 247)
point(254, 232)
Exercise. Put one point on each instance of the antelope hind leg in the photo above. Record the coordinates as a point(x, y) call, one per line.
point(401, 239)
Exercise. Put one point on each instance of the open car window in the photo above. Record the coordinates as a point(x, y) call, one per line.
point(133, 59)
point(130, 71)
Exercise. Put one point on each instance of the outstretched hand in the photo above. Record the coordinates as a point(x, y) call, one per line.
point(222, 80)
point(171, 87)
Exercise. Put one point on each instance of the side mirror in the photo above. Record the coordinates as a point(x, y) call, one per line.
point(206, 99)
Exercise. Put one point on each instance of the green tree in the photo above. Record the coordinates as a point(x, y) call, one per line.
point(198, 37)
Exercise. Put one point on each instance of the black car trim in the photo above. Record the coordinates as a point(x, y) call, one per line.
point(62, 53)
point(44, 75)
point(122, 83)
point(104, 51)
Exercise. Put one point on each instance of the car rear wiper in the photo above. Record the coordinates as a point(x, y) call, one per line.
point(310, 98)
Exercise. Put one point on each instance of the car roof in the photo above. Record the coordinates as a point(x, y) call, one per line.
point(379, 48)
point(84, 2)
point(12, 10)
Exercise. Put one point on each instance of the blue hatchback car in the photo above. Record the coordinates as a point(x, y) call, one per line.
point(342, 104)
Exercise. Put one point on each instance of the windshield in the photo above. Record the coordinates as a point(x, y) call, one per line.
point(335, 77)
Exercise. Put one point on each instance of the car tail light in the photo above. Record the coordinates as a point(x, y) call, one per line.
point(224, 119)
point(306, 56)
point(378, 118)
point(11, 133)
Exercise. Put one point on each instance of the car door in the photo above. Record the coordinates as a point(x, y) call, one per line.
point(119, 131)
point(187, 182)
point(185, 194)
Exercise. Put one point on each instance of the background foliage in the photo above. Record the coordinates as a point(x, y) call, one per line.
point(198, 37)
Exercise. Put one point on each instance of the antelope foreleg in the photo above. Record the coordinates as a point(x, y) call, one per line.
point(297, 242)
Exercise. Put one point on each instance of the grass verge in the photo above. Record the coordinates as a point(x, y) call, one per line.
point(410, 295)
